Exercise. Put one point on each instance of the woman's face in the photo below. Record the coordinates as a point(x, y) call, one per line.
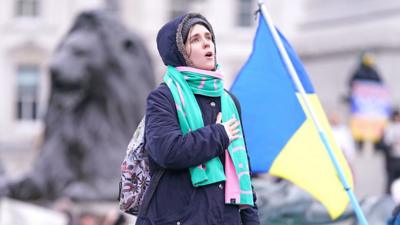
point(200, 47)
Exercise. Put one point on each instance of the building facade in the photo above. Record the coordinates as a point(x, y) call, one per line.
point(31, 29)
point(327, 35)
point(332, 35)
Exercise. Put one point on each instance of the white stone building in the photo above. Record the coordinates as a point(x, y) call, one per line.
point(332, 34)
point(328, 35)
point(31, 29)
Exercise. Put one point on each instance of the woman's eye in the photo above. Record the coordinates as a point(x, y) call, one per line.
point(195, 40)
point(79, 52)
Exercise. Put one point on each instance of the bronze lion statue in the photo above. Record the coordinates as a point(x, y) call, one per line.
point(101, 75)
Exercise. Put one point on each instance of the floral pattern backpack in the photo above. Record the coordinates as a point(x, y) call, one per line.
point(135, 176)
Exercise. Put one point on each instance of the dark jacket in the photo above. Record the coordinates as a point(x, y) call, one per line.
point(176, 201)
point(365, 73)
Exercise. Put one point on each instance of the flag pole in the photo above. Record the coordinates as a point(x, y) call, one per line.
point(296, 80)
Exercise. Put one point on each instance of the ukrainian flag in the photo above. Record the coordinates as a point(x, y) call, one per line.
point(280, 135)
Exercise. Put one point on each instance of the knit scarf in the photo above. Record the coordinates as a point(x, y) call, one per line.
point(184, 83)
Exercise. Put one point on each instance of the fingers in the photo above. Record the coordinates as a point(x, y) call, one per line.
point(231, 121)
point(235, 131)
point(232, 129)
point(235, 124)
point(234, 137)
point(219, 118)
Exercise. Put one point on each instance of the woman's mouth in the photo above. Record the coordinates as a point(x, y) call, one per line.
point(209, 55)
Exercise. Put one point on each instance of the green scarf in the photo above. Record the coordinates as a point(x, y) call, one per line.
point(183, 85)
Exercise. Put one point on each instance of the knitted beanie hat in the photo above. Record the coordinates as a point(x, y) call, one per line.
point(190, 23)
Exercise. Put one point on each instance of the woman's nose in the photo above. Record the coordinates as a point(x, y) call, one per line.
point(206, 43)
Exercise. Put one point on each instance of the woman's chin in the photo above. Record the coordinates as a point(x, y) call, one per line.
point(206, 66)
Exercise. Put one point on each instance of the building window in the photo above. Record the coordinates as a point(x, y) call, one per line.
point(27, 8)
point(245, 11)
point(178, 8)
point(27, 91)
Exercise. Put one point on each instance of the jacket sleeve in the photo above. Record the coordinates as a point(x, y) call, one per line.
point(166, 144)
point(248, 216)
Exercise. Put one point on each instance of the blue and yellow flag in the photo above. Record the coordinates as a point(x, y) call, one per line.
point(280, 135)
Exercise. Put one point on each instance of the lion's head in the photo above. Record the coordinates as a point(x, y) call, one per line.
point(101, 75)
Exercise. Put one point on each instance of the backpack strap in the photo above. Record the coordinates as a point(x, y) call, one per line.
point(155, 180)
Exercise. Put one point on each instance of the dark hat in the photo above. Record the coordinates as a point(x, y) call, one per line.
point(190, 23)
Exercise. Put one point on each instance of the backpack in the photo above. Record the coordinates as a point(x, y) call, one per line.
point(135, 176)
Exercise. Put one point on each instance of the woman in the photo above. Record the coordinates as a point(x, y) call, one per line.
point(206, 179)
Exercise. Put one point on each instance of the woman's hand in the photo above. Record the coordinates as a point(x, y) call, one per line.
point(231, 127)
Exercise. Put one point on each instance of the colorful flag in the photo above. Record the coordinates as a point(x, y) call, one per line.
point(280, 135)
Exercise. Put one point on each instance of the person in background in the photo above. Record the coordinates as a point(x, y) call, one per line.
point(114, 217)
point(366, 70)
point(88, 218)
point(342, 136)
